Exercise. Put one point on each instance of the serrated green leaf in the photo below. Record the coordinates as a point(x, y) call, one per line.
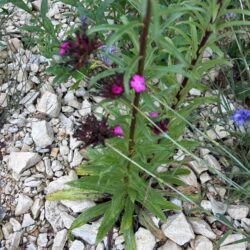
point(110, 216)
point(127, 218)
point(129, 237)
point(73, 194)
point(44, 8)
point(90, 214)
point(31, 28)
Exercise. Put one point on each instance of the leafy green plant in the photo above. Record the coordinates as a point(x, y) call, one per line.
point(147, 109)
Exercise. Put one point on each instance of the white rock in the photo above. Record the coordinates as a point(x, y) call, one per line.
point(86, 108)
point(144, 239)
point(71, 100)
point(87, 232)
point(36, 207)
point(53, 215)
point(7, 229)
point(56, 165)
point(221, 132)
point(227, 244)
point(195, 92)
point(205, 177)
point(42, 240)
point(16, 225)
point(15, 239)
point(238, 212)
point(178, 229)
point(77, 245)
point(66, 123)
point(64, 149)
point(245, 223)
point(212, 163)
point(29, 98)
point(202, 243)
point(170, 245)
point(27, 221)
point(189, 179)
point(74, 143)
point(59, 184)
point(206, 205)
point(42, 134)
point(78, 206)
point(31, 246)
point(60, 240)
point(198, 167)
point(201, 227)
point(77, 158)
point(218, 207)
point(67, 219)
point(49, 104)
point(23, 205)
point(20, 161)
point(3, 100)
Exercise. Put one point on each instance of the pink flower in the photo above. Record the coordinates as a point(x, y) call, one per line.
point(61, 52)
point(64, 45)
point(153, 114)
point(116, 89)
point(137, 83)
point(118, 131)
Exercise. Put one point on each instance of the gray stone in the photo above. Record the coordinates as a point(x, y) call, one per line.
point(78, 206)
point(49, 104)
point(3, 100)
point(42, 240)
point(144, 239)
point(213, 164)
point(42, 134)
point(36, 207)
point(201, 227)
point(77, 245)
point(60, 240)
point(218, 207)
point(20, 161)
point(27, 221)
point(170, 245)
point(245, 223)
point(190, 179)
point(178, 229)
point(87, 232)
point(77, 158)
point(202, 243)
point(7, 229)
point(198, 167)
point(238, 212)
point(227, 244)
point(16, 225)
point(23, 205)
point(15, 239)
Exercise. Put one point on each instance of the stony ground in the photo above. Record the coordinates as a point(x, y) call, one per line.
point(38, 156)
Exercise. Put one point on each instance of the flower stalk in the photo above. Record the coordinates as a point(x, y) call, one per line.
point(140, 71)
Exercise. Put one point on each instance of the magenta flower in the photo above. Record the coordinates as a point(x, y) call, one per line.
point(118, 131)
point(116, 89)
point(138, 83)
point(153, 114)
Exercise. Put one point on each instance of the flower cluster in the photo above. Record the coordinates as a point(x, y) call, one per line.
point(112, 87)
point(138, 83)
point(94, 132)
point(79, 49)
point(162, 124)
point(241, 116)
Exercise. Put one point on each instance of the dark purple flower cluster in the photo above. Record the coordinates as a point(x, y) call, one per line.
point(241, 116)
point(162, 124)
point(94, 132)
point(79, 49)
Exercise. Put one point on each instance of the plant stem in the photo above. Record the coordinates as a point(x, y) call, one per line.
point(140, 71)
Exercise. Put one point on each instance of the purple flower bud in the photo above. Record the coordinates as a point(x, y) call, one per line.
point(118, 131)
point(153, 114)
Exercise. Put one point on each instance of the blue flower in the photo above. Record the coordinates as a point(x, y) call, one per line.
point(230, 15)
point(241, 116)
point(111, 50)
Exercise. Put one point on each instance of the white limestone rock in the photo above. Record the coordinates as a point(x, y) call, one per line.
point(190, 179)
point(27, 221)
point(87, 232)
point(24, 203)
point(238, 212)
point(227, 244)
point(77, 245)
point(144, 239)
point(36, 207)
point(170, 245)
point(245, 223)
point(60, 240)
point(178, 229)
point(77, 158)
point(198, 167)
point(202, 243)
point(201, 227)
point(42, 134)
point(213, 164)
point(218, 207)
point(20, 161)
point(16, 225)
point(42, 240)
point(49, 104)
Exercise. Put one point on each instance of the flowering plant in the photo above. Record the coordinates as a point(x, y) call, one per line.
point(145, 84)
